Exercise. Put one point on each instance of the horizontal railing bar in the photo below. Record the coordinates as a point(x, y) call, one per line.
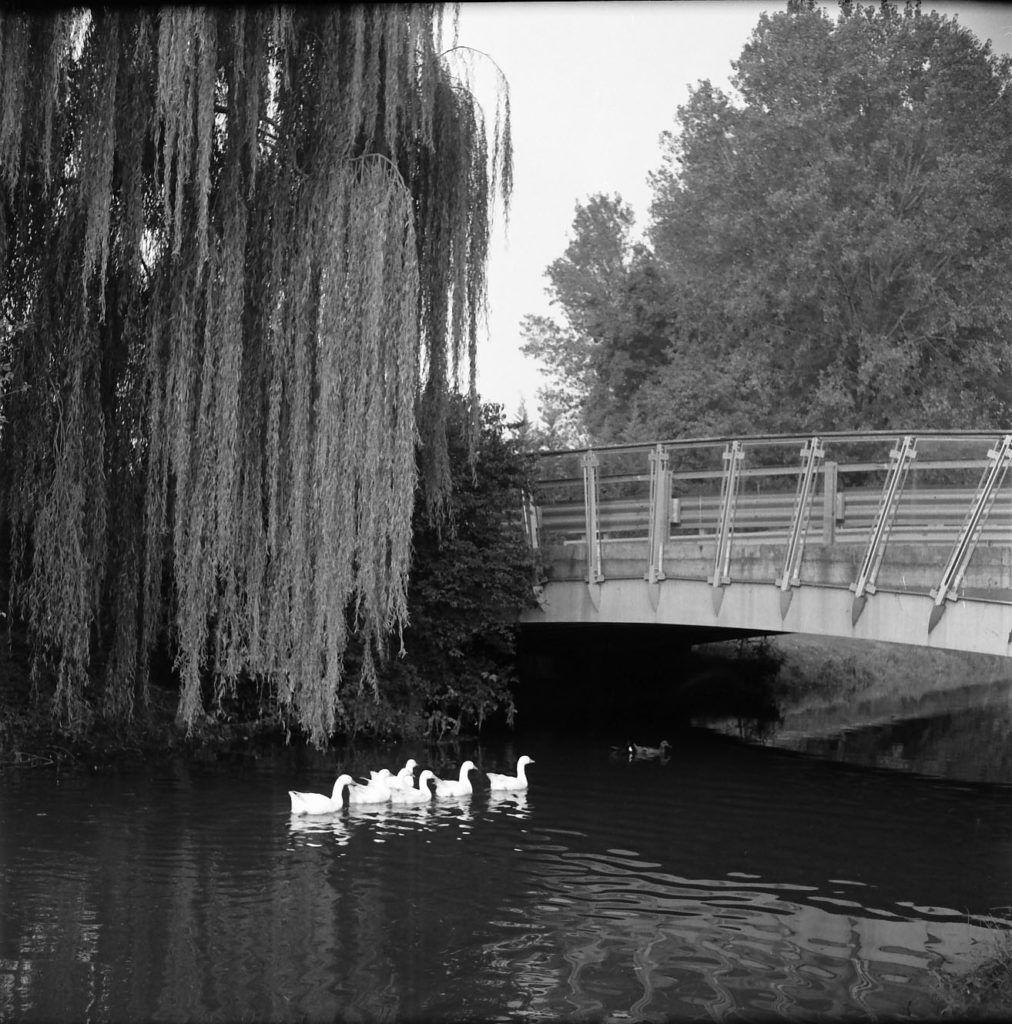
point(842, 437)
point(768, 471)
point(857, 508)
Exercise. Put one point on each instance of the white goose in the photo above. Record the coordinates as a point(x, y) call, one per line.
point(317, 803)
point(406, 776)
point(499, 782)
point(409, 795)
point(375, 791)
point(456, 787)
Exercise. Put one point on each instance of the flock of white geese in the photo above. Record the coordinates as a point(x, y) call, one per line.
point(385, 787)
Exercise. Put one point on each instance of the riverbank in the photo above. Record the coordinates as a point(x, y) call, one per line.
point(813, 685)
point(824, 684)
point(30, 738)
point(984, 992)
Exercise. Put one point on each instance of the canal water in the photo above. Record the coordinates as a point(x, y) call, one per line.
point(727, 882)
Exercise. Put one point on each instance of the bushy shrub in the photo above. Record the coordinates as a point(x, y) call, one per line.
point(472, 574)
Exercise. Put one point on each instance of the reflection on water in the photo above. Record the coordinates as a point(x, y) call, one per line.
point(963, 735)
point(655, 943)
point(728, 882)
point(381, 821)
point(513, 805)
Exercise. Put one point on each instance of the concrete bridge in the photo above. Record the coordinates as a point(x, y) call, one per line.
point(872, 536)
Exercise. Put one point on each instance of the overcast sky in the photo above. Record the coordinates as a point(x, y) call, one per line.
point(592, 86)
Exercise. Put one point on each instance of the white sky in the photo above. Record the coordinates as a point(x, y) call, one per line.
point(592, 86)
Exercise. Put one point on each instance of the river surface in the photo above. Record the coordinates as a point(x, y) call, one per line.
point(729, 882)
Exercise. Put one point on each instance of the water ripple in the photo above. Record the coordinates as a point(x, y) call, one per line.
point(715, 886)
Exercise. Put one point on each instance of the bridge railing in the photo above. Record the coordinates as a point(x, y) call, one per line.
point(838, 488)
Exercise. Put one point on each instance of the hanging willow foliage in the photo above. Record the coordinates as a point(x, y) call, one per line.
point(242, 258)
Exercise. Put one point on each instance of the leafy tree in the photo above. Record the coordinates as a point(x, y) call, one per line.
point(614, 299)
point(830, 245)
point(565, 355)
point(840, 236)
point(470, 579)
point(242, 256)
point(533, 437)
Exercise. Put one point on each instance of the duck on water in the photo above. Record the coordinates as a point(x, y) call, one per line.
point(637, 751)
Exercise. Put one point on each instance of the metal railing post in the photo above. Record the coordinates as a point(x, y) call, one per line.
point(532, 521)
point(829, 477)
point(591, 506)
point(660, 507)
point(811, 454)
point(734, 455)
point(990, 483)
point(901, 456)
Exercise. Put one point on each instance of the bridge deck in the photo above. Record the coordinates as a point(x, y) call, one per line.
point(858, 551)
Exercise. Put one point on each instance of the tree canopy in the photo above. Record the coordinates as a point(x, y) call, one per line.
point(615, 300)
point(833, 239)
point(242, 258)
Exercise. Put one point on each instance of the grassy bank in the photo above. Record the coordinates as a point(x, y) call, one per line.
point(827, 670)
point(984, 992)
point(827, 683)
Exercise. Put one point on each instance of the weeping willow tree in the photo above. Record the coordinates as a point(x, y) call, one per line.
point(242, 260)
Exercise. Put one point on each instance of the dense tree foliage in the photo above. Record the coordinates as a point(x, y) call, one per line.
point(242, 258)
point(832, 242)
point(615, 300)
point(471, 576)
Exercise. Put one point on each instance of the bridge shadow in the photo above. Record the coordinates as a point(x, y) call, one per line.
point(620, 680)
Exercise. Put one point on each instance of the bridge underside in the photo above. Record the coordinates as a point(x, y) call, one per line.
point(627, 679)
point(752, 604)
point(675, 633)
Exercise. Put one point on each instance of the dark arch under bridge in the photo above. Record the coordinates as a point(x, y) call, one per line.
point(874, 536)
